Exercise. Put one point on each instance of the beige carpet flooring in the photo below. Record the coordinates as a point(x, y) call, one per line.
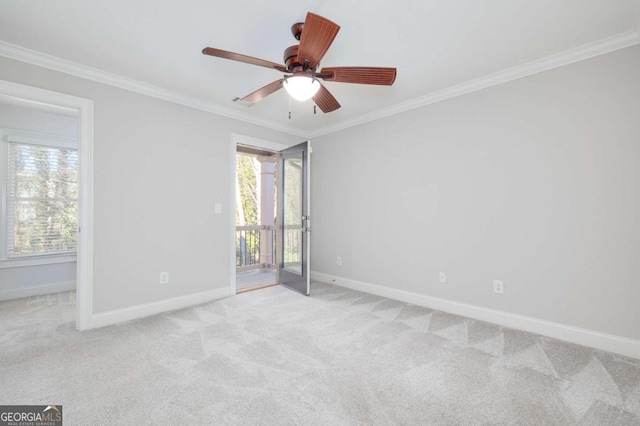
point(273, 357)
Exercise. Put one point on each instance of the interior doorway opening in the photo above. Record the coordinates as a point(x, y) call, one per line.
point(255, 213)
point(82, 109)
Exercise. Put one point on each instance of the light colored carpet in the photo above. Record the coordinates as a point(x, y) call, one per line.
point(273, 357)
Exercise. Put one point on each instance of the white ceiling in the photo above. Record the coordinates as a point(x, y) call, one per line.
point(435, 45)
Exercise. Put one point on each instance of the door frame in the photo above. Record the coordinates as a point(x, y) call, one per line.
point(84, 251)
point(237, 139)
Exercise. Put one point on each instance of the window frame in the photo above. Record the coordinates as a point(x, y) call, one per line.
point(7, 136)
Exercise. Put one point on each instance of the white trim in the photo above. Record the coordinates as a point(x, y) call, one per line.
point(620, 41)
point(84, 276)
point(4, 225)
point(38, 290)
point(140, 311)
point(58, 64)
point(607, 342)
point(310, 214)
point(21, 262)
point(232, 214)
point(258, 143)
point(84, 247)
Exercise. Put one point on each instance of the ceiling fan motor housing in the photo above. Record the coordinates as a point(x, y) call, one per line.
point(291, 60)
point(296, 30)
point(291, 57)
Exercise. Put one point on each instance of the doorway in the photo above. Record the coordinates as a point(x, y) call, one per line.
point(83, 110)
point(272, 246)
point(255, 212)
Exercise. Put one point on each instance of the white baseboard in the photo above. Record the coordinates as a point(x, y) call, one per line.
point(148, 309)
point(36, 291)
point(606, 342)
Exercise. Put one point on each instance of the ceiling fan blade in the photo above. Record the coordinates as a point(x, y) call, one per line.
point(325, 100)
point(242, 58)
point(263, 92)
point(317, 35)
point(359, 75)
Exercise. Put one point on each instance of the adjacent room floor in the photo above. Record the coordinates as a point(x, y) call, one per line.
point(255, 279)
point(338, 357)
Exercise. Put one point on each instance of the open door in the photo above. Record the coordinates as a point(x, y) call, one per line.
point(293, 217)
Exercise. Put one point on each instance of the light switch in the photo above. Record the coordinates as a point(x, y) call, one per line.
point(217, 209)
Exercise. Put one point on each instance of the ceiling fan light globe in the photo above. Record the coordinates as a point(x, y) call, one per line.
point(301, 88)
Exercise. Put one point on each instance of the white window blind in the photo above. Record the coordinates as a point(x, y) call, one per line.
point(42, 199)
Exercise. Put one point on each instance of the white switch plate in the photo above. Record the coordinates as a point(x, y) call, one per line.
point(498, 286)
point(339, 261)
point(443, 277)
point(217, 208)
point(164, 277)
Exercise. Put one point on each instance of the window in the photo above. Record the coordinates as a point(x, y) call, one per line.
point(41, 197)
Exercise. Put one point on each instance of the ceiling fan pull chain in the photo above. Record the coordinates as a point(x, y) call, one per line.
point(289, 108)
point(314, 110)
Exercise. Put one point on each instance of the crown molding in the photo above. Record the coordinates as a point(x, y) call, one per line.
point(610, 44)
point(567, 57)
point(33, 57)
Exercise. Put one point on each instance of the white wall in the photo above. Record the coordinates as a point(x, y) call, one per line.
point(29, 280)
point(32, 119)
point(535, 182)
point(26, 281)
point(159, 168)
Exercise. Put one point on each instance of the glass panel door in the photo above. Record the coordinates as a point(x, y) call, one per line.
point(292, 214)
point(293, 188)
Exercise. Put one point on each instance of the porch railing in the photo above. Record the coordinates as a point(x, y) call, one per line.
point(248, 242)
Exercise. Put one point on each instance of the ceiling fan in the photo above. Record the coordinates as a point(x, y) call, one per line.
point(301, 64)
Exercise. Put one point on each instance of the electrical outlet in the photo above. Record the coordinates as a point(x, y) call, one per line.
point(164, 277)
point(443, 277)
point(339, 261)
point(498, 287)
